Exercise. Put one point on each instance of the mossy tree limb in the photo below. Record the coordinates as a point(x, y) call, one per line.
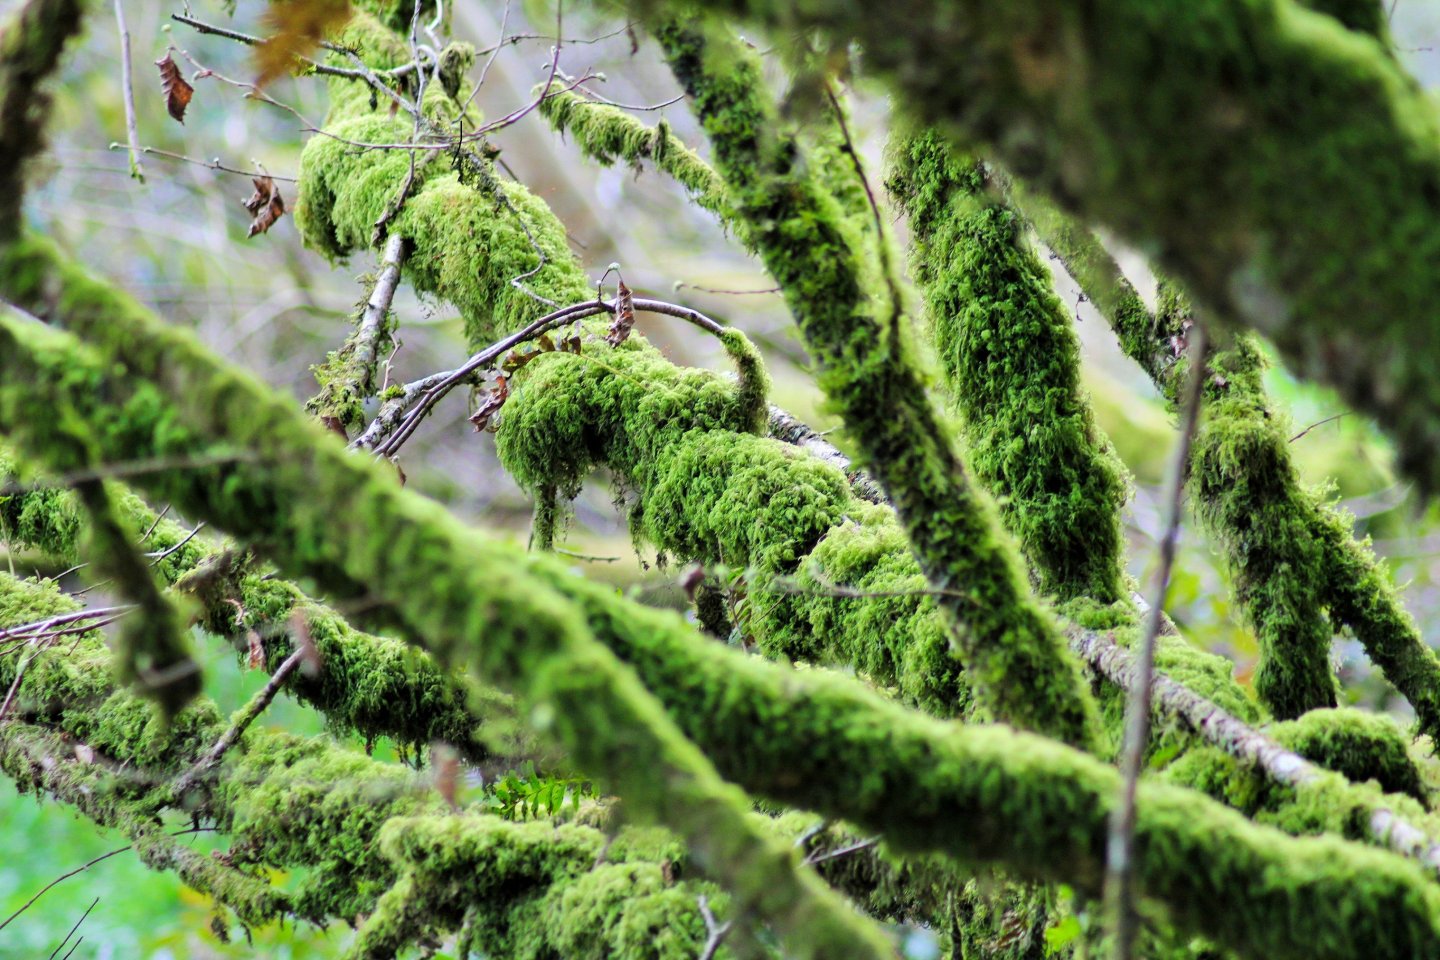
point(31, 41)
point(986, 794)
point(1249, 491)
point(1252, 144)
point(1012, 652)
point(1012, 362)
point(300, 507)
point(374, 685)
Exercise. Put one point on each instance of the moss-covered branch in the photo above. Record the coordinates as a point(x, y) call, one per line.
point(399, 553)
point(1294, 557)
point(1012, 362)
point(609, 134)
point(1306, 206)
point(985, 794)
point(349, 376)
point(373, 685)
point(286, 802)
point(1012, 651)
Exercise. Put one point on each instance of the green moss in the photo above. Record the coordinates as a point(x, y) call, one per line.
point(1249, 496)
point(1361, 746)
point(397, 554)
point(610, 135)
point(1298, 568)
point(1012, 363)
point(1011, 650)
point(986, 794)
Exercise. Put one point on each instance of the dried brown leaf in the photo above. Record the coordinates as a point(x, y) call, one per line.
point(265, 205)
point(490, 404)
point(256, 650)
point(175, 87)
point(624, 320)
point(299, 26)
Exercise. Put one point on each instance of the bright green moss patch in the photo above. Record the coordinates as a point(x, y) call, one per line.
point(1011, 649)
point(1012, 363)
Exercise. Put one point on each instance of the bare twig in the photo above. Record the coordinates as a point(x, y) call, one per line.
point(1319, 423)
point(845, 851)
point(86, 866)
point(253, 709)
point(441, 384)
point(134, 468)
point(57, 950)
point(681, 285)
point(716, 931)
point(202, 27)
point(211, 164)
point(1120, 846)
point(128, 90)
point(156, 557)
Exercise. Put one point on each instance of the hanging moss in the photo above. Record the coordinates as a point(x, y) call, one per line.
point(1012, 363)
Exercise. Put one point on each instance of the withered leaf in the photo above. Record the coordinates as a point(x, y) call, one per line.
point(545, 343)
point(490, 404)
point(624, 320)
point(570, 342)
point(265, 205)
point(256, 650)
point(299, 26)
point(516, 359)
point(175, 87)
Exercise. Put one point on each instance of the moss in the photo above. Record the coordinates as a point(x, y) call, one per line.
point(1304, 207)
point(610, 135)
point(1361, 746)
point(399, 548)
point(1012, 363)
point(1249, 496)
point(1298, 568)
point(1013, 656)
point(371, 685)
point(986, 794)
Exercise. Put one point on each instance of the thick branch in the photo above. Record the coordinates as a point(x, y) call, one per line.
point(985, 793)
point(1013, 654)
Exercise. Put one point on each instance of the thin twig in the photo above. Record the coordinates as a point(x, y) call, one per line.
point(253, 709)
point(86, 866)
point(1120, 845)
point(64, 876)
point(440, 385)
point(161, 555)
point(128, 90)
point(72, 931)
point(815, 858)
point(211, 164)
point(716, 930)
point(134, 468)
point(1320, 423)
point(201, 26)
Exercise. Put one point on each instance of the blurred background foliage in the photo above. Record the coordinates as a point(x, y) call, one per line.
point(177, 241)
